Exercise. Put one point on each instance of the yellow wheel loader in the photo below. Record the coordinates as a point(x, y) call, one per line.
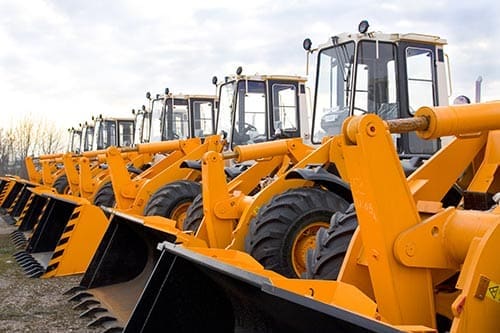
point(243, 99)
point(67, 229)
point(402, 262)
point(47, 171)
point(77, 176)
point(275, 229)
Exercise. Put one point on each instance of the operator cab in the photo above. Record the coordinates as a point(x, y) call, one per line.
point(116, 132)
point(173, 117)
point(258, 108)
point(391, 75)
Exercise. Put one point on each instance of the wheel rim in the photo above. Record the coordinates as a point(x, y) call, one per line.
point(179, 214)
point(305, 240)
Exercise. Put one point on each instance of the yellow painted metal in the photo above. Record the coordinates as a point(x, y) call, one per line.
point(459, 119)
point(423, 182)
point(306, 240)
point(487, 178)
point(380, 222)
point(474, 308)
point(407, 243)
point(71, 171)
point(79, 242)
point(133, 194)
point(251, 205)
point(225, 204)
point(33, 174)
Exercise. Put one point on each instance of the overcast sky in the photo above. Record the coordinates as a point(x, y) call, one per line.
point(66, 60)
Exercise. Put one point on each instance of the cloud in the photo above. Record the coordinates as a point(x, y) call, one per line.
point(69, 60)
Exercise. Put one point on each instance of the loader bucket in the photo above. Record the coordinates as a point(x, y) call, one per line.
point(27, 220)
point(191, 292)
point(11, 196)
point(18, 205)
point(64, 238)
point(118, 272)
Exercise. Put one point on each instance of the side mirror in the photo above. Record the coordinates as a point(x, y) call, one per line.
point(148, 95)
point(307, 44)
point(214, 80)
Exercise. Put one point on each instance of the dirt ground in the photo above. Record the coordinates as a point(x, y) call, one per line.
point(34, 305)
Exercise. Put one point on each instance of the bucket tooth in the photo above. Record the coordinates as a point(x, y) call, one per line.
point(93, 311)
point(32, 267)
point(113, 329)
point(86, 303)
point(28, 263)
point(17, 238)
point(20, 254)
point(24, 260)
point(74, 290)
point(102, 320)
point(36, 273)
point(79, 296)
point(21, 245)
point(15, 233)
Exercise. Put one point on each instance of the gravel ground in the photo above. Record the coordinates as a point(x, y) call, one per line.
point(34, 305)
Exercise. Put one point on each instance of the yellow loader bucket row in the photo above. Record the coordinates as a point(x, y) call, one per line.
point(30, 202)
point(61, 245)
point(54, 224)
point(127, 253)
point(410, 266)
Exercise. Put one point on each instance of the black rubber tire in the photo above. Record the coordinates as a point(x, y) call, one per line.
point(105, 196)
point(169, 198)
point(325, 260)
point(194, 215)
point(273, 232)
point(61, 184)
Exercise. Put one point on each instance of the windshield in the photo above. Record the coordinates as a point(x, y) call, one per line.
point(97, 140)
point(250, 119)
point(156, 120)
point(177, 120)
point(203, 112)
point(88, 138)
point(126, 131)
point(76, 139)
point(332, 89)
point(225, 108)
point(139, 123)
point(109, 133)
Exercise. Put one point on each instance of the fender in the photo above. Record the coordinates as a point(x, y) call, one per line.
point(324, 178)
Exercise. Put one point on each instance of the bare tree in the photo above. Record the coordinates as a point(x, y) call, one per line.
point(29, 137)
point(51, 139)
point(7, 151)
